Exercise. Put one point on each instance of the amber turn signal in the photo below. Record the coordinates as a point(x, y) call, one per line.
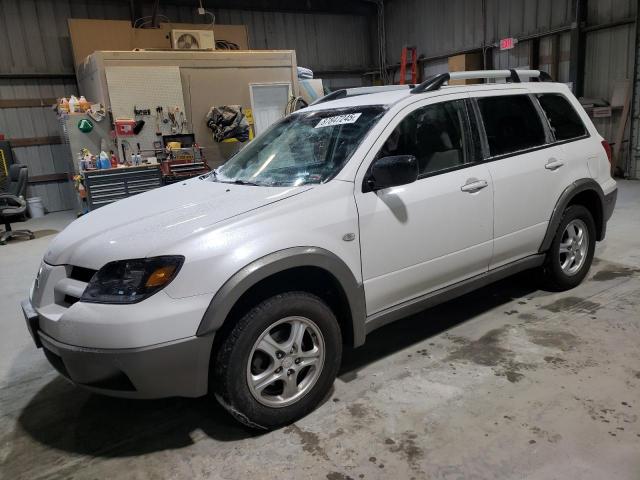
point(160, 276)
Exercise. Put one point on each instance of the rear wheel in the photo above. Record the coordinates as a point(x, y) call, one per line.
point(279, 361)
point(571, 253)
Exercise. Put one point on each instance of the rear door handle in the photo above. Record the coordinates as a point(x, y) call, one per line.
point(553, 164)
point(474, 185)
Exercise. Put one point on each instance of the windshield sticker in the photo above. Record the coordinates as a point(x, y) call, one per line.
point(338, 120)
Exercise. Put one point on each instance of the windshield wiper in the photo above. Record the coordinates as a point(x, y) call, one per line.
point(211, 173)
point(245, 182)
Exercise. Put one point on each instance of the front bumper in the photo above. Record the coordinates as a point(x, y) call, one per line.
point(177, 368)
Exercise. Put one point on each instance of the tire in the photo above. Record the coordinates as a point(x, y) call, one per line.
point(242, 365)
point(559, 272)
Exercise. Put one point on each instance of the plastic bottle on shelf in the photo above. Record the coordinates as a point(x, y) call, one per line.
point(113, 159)
point(104, 161)
point(63, 105)
point(73, 104)
point(83, 104)
point(82, 165)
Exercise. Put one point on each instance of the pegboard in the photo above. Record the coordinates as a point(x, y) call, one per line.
point(144, 88)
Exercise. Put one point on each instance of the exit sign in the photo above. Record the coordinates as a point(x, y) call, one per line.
point(508, 43)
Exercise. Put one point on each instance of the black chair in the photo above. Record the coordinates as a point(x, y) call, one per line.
point(13, 206)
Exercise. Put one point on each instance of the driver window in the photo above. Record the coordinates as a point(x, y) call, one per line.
point(434, 135)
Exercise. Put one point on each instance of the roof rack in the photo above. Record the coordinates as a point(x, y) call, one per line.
point(435, 82)
point(353, 92)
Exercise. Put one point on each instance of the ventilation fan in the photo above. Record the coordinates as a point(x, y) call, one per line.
point(192, 40)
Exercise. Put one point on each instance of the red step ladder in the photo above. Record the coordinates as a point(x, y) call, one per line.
point(414, 65)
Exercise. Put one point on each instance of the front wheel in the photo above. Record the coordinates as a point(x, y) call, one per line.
point(571, 253)
point(279, 361)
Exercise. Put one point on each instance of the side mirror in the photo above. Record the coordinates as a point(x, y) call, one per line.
point(391, 171)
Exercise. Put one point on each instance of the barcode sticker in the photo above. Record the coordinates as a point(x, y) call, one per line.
point(338, 120)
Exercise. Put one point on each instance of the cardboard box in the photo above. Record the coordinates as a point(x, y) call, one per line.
point(463, 63)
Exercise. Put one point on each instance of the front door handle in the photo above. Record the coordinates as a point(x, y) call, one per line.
point(474, 185)
point(553, 164)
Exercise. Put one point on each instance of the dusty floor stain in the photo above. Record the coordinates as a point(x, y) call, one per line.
point(575, 304)
point(485, 351)
point(357, 410)
point(556, 361)
point(310, 441)
point(407, 446)
point(338, 476)
point(553, 339)
point(614, 271)
point(488, 351)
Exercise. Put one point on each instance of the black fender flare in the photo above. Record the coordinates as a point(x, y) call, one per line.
point(581, 185)
point(240, 282)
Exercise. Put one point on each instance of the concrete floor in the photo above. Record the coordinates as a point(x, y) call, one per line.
point(507, 382)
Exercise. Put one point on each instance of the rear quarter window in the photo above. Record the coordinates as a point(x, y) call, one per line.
point(564, 121)
point(511, 123)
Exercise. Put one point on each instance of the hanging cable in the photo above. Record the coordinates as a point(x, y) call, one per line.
point(382, 47)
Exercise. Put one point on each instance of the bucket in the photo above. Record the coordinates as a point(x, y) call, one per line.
point(36, 209)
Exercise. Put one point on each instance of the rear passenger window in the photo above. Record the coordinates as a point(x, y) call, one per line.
point(511, 123)
point(563, 119)
point(434, 134)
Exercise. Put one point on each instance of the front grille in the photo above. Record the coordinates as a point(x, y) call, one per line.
point(82, 274)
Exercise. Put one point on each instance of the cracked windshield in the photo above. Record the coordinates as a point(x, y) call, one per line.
point(303, 148)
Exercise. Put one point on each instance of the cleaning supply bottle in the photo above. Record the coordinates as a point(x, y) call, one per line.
point(113, 159)
point(63, 105)
point(73, 104)
point(104, 161)
point(83, 104)
point(82, 165)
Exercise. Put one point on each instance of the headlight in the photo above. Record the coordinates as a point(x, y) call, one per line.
point(131, 281)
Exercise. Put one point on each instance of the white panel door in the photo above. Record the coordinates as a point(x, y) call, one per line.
point(268, 102)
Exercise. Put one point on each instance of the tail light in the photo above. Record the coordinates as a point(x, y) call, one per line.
point(607, 149)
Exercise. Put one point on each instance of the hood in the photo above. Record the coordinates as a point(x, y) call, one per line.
point(146, 223)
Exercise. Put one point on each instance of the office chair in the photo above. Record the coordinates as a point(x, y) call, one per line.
point(13, 206)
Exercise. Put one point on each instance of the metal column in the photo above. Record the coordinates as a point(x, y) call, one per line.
point(578, 47)
point(634, 161)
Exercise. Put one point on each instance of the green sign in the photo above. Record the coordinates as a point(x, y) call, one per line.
point(85, 125)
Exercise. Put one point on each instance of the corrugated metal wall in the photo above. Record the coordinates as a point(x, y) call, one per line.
point(440, 28)
point(34, 39)
point(444, 27)
point(610, 57)
point(436, 27)
point(38, 122)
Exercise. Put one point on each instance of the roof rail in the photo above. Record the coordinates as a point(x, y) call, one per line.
point(352, 92)
point(435, 82)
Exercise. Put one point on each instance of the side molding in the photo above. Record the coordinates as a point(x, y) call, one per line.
point(224, 300)
point(571, 191)
point(413, 306)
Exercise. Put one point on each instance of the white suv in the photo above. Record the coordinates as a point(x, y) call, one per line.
point(361, 209)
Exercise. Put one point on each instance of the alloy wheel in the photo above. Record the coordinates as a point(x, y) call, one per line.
point(574, 246)
point(285, 362)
